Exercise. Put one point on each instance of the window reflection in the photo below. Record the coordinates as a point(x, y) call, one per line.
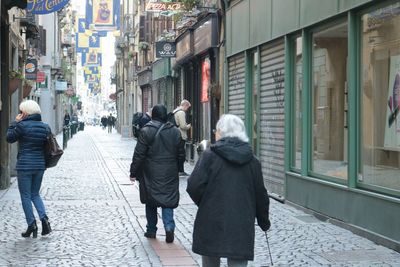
point(381, 98)
point(329, 128)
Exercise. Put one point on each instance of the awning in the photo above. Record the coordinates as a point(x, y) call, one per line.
point(8, 4)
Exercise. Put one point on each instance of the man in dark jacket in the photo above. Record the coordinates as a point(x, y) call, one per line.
point(227, 186)
point(155, 165)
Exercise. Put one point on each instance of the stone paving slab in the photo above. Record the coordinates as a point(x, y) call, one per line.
point(98, 220)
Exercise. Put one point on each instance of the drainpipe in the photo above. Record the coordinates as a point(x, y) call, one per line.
point(225, 94)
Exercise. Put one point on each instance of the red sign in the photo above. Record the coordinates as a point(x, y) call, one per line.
point(40, 77)
point(205, 80)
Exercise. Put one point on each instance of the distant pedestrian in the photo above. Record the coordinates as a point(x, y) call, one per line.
point(155, 166)
point(228, 188)
point(103, 122)
point(180, 120)
point(110, 122)
point(31, 134)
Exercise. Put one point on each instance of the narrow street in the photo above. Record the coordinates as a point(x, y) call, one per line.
point(98, 220)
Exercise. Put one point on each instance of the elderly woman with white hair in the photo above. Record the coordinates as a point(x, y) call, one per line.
point(227, 186)
point(31, 134)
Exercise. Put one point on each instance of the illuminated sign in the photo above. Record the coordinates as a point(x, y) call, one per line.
point(205, 79)
point(45, 6)
point(157, 6)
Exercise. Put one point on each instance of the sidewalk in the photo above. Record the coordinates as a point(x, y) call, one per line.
point(98, 220)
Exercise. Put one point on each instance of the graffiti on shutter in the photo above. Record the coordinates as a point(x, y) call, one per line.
point(236, 85)
point(272, 87)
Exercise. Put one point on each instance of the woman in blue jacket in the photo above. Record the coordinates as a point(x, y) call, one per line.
point(31, 134)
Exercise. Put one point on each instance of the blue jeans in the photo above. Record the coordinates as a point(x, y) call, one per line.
point(29, 183)
point(167, 217)
point(215, 262)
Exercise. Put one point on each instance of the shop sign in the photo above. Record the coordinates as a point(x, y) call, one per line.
point(162, 6)
point(165, 49)
point(61, 86)
point(40, 77)
point(184, 46)
point(31, 69)
point(45, 6)
point(205, 36)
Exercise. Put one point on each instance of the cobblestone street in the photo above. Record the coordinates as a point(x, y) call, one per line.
point(98, 220)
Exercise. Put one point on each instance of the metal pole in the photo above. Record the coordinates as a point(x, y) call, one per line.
point(269, 250)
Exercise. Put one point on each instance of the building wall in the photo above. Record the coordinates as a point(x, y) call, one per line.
point(263, 20)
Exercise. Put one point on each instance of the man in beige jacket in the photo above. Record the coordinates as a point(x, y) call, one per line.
point(180, 120)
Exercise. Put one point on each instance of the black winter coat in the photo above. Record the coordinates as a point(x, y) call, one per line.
point(155, 164)
point(227, 186)
point(31, 134)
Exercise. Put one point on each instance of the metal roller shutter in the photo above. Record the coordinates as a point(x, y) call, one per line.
point(236, 85)
point(272, 91)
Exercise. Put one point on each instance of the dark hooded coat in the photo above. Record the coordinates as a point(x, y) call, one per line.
point(227, 186)
point(155, 164)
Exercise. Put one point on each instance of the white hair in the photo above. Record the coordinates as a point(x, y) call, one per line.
point(230, 125)
point(30, 107)
point(185, 103)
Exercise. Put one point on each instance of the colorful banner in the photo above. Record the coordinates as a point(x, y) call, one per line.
point(45, 6)
point(81, 25)
point(103, 14)
point(94, 40)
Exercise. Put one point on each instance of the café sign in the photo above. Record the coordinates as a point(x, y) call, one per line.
point(165, 49)
point(41, 7)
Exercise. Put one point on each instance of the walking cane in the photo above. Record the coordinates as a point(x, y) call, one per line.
point(269, 250)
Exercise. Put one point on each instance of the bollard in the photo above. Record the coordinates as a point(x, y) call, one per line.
point(65, 137)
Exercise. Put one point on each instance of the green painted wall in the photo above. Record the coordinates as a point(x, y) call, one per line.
point(366, 210)
point(253, 22)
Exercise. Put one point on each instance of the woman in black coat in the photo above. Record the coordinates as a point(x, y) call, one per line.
point(227, 186)
point(155, 165)
point(31, 134)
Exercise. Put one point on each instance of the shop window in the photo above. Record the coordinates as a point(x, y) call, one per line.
point(380, 102)
point(298, 84)
point(329, 96)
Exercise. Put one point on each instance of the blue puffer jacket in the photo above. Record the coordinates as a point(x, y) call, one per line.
point(31, 134)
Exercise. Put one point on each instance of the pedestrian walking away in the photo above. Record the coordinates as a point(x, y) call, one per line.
point(155, 165)
point(180, 121)
point(110, 122)
point(31, 134)
point(227, 186)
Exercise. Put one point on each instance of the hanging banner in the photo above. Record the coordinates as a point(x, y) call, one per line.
point(42, 7)
point(102, 15)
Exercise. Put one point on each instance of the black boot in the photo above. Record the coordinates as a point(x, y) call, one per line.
point(31, 229)
point(46, 229)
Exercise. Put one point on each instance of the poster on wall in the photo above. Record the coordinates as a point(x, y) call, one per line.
point(392, 130)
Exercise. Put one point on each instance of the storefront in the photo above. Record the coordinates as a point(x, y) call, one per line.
point(144, 81)
point(197, 68)
point(320, 96)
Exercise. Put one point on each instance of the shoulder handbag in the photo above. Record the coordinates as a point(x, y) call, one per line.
point(52, 151)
